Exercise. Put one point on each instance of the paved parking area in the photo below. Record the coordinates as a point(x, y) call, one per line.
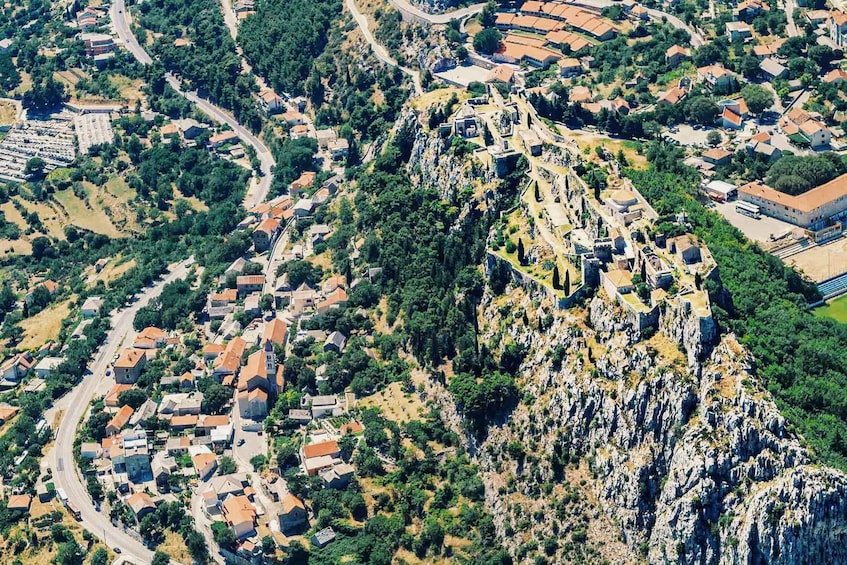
point(756, 229)
point(463, 75)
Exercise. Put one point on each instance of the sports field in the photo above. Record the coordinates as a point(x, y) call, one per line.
point(836, 309)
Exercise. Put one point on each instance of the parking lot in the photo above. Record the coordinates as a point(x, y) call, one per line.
point(463, 75)
point(760, 229)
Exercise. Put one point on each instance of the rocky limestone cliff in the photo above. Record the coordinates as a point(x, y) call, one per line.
point(625, 450)
point(683, 464)
point(433, 164)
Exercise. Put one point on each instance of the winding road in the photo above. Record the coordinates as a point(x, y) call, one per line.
point(259, 191)
point(61, 457)
point(379, 50)
point(409, 11)
point(697, 38)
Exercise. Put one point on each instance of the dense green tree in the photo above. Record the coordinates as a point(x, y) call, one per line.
point(227, 466)
point(757, 97)
point(488, 40)
point(160, 558)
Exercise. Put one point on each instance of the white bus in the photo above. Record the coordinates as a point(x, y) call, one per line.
point(748, 209)
point(63, 498)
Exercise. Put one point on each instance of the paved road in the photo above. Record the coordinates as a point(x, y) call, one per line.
point(378, 49)
point(696, 38)
point(791, 28)
point(259, 191)
point(413, 12)
point(61, 457)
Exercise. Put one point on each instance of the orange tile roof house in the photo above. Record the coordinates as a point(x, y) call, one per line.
point(245, 284)
point(276, 331)
point(141, 504)
point(111, 398)
point(205, 464)
point(240, 515)
point(265, 233)
point(321, 449)
point(129, 364)
point(19, 502)
point(119, 420)
point(151, 338)
point(292, 513)
point(223, 138)
point(304, 181)
point(676, 54)
point(335, 299)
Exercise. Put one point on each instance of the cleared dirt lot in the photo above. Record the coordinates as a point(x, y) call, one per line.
point(823, 261)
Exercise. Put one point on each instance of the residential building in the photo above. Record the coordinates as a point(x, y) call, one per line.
point(717, 156)
point(19, 502)
point(338, 149)
point(569, 67)
point(97, 43)
point(47, 366)
point(270, 102)
point(816, 133)
point(141, 505)
point(112, 397)
point(265, 234)
point(91, 306)
point(240, 515)
point(137, 463)
point(292, 514)
point(151, 338)
point(129, 365)
point(716, 77)
point(205, 464)
point(325, 136)
point(335, 342)
point(772, 69)
point(246, 284)
point(838, 28)
point(738, 31)
point(223, 138)
point(119, 420)
point(835, 76)
point(676, 54)
point(335, 299)
point(337, 477)
point(671, 97)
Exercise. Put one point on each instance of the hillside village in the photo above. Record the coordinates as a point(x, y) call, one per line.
point(269, 393)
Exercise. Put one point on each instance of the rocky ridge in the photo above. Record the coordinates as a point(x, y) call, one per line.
point(693, 464)
point(625, 449)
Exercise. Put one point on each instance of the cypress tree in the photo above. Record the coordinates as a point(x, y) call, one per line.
point(567, 283)
point(521, 251)
point(556, 281)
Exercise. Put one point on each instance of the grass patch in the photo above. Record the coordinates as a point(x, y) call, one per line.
point(45, 325)
point(94, 219)
point(395, 404)
point(835, 309)
point(8, 112)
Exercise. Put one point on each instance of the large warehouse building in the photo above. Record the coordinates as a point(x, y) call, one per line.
point(810, 210)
